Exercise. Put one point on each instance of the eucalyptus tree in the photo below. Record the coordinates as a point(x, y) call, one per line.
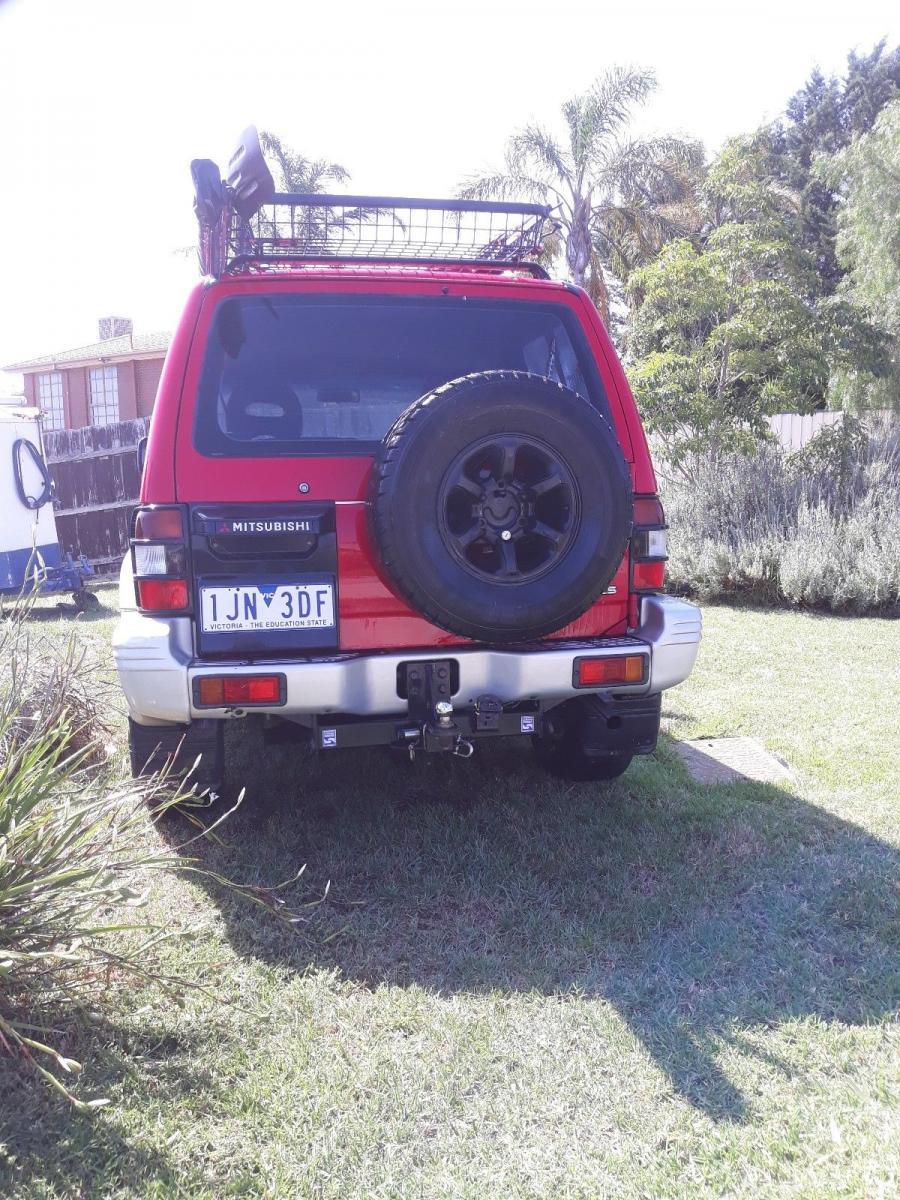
point(618, 197)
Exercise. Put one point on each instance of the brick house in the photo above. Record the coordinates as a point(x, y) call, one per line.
point(114, 379)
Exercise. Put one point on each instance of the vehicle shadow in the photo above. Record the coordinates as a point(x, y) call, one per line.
point(699, 913)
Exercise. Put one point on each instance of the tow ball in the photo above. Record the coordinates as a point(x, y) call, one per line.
point(431, 726)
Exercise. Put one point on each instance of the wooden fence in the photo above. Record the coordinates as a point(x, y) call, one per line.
point(794, 431)
point(97, 480)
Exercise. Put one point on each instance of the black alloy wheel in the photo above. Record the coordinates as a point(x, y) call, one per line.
point(508, 508)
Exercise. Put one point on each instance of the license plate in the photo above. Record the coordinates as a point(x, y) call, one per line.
point(264, 606)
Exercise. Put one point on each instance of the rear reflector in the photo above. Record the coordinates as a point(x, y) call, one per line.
point(648, 575)
point(598, 672)
point(162, 595)
point(162, 523)
point(216, 690)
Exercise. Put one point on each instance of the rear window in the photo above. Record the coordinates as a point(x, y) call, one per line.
point(292, 375)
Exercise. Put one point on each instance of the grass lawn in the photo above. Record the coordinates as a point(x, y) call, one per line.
point(519, 988)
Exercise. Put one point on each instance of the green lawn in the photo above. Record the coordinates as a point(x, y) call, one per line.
point(518, 988)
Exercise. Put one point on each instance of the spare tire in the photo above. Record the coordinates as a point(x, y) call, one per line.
point(500, 505)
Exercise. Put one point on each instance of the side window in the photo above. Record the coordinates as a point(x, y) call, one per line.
point(104, 395)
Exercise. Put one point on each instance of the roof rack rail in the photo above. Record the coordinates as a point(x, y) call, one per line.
point(244, 222)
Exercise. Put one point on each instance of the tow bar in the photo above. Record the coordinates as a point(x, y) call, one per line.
point(428, 691)
point(432, 723)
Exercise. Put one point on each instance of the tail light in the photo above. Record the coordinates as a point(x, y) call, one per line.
point(162, 595)
point(600, 672)
point(159, 560)
point(214, 691)
point(649, 545)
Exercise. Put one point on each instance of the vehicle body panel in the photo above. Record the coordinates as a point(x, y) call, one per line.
point(371, 614)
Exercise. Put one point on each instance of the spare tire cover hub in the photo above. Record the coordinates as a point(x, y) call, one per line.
point(508, 508)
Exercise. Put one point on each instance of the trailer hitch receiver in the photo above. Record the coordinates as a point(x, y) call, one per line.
point(428, 691)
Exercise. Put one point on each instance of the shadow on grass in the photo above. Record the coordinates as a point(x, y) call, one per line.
point(698, 913)
point(47, 1149)
point(49, 608)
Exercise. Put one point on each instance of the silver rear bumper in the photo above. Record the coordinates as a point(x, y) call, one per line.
point(154, 658)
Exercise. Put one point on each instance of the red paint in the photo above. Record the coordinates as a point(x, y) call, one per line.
point(158, 483)
point(372, 616)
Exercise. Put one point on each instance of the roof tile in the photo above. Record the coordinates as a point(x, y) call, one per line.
point(117, 347)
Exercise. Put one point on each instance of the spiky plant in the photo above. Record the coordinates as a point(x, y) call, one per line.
point(77, 853)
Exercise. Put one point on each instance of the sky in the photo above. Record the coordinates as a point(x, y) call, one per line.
point(103, 105)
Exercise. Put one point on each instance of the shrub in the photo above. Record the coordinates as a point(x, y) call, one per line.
point(818, 528)
point(72, 849)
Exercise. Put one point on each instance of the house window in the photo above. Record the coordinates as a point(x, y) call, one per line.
point(50, 399)
point(104, 395)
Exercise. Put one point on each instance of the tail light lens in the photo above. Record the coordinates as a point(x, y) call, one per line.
point(214, 691)
point(600, 672)
point(158, 524)
point(159, 558)
point(649, 545)
point(162, 595)
point(648, 576)
point(153, 559)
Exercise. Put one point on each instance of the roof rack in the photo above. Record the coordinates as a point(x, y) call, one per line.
point(244, 223)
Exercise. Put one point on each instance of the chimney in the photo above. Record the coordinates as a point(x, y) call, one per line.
point(113, 327)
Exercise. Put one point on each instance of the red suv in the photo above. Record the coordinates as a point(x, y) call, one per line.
point(396, 493)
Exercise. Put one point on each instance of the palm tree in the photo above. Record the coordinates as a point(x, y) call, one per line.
point(322, 225)
point(618, 199)
point(294, 173)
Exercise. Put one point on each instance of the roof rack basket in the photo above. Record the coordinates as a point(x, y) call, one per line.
point(245, 223)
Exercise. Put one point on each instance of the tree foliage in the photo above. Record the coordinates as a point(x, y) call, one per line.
point(294, 172)
point(823, 118)
point(787, 297)
point(733, 328)
point(867, 178)
point(724, 336)
point(618, 198)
